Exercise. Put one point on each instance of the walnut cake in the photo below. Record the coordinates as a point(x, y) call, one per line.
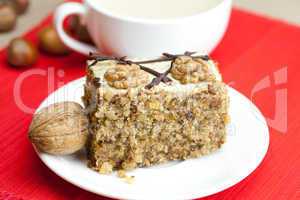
point(150, 112)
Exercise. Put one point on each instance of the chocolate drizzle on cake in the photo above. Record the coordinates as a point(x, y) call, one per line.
point(96, 82)
point(170, 57)
point(159, 77)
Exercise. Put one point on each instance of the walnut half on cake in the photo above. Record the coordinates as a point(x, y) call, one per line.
point(150, 112)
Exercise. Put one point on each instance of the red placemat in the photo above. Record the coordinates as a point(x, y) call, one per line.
point(258, 56)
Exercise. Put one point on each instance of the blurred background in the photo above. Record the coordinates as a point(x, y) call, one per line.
point(288, 10)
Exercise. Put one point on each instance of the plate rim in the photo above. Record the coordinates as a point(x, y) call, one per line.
point(214, 190)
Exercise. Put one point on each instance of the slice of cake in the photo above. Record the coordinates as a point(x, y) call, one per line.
point(150, 112)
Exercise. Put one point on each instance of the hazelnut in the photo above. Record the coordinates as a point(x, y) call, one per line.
point(60, 128)
point(20, 6)
point(50, 42)
point(21, 53)
point(8, 17)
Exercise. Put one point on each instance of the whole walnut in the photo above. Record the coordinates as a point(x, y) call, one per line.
point(59, 129)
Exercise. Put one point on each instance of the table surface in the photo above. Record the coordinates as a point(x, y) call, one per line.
point(39, 9)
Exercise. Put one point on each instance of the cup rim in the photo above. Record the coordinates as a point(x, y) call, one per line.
point(154, 21)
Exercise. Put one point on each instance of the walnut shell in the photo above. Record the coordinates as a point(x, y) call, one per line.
point(59, 129)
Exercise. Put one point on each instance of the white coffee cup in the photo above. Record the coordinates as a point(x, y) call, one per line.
point(143, 37)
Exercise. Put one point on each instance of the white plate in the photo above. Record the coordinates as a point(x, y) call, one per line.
point(247, 144)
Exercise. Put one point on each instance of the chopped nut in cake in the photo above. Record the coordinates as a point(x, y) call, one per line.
point(183, 115)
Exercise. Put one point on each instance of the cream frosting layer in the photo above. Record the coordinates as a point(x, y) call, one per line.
point(175, 86)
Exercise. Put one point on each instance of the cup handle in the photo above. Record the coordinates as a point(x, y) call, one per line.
point(60, 15)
